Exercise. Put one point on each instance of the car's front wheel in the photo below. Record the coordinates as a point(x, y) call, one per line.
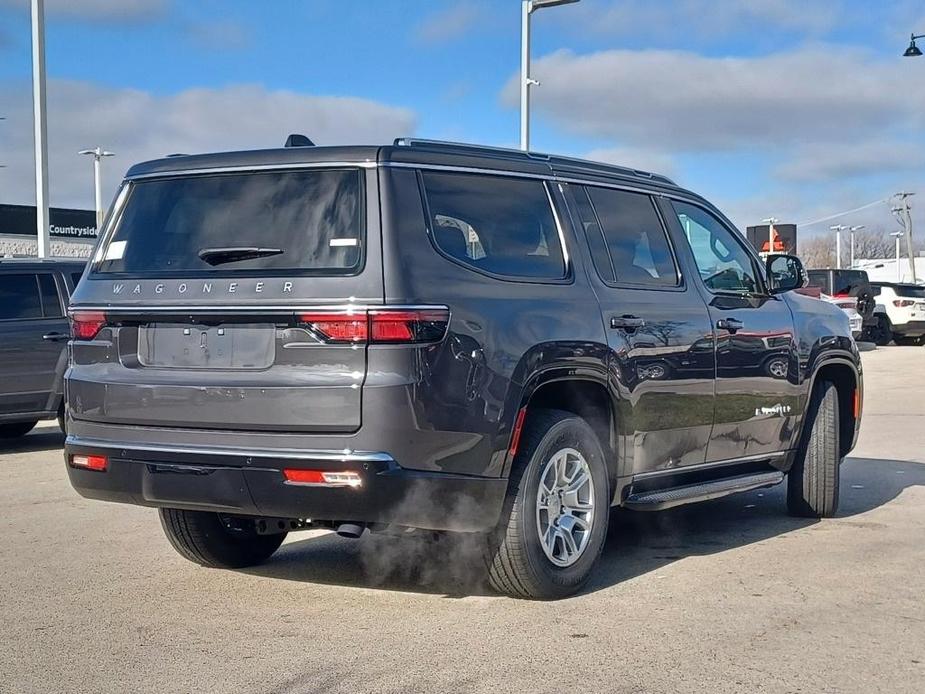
point(556, 515)
point(812, 483)
point(216, 540)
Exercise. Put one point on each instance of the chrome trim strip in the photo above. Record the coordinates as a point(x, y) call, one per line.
point(345, 456)
point(707, 466)
point(261, 308)
point(555, 216)
point(466, 169)
point(256, 167)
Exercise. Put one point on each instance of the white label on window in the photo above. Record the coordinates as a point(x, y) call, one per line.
point(115, 251)
point(334, 243)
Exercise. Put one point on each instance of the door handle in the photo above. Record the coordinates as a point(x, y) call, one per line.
point(627, 322)
point(730, 324)
point(56, 337)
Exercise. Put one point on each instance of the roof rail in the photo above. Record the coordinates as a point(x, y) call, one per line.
point(457, 146)
point(572, 161)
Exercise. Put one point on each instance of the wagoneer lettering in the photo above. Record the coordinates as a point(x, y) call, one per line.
point(442, 337)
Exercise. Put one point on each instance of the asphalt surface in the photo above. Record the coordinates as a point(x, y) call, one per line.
point(726, 596)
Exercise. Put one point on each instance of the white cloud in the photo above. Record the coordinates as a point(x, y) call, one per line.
point(115, 11)
point(643, 159)
point(676, 100)
point(705, 18)
point(138, 125)
point(449, 23)
point(827, 162)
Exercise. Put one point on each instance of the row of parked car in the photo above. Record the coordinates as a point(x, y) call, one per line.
point(879, 312)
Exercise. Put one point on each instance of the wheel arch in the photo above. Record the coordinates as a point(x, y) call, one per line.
point(844, 374)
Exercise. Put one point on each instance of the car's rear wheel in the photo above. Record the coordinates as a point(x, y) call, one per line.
point(905, 341)
point(16, 429)
point(556, 515)
point(216, 540)
point(812, 483)
point(882, 332)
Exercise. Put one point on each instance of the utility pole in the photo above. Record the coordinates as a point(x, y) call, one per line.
point(838, 229)
point(40, 126)
point(905, 208)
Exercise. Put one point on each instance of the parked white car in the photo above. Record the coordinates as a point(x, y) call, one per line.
point(848, 304)
point(900, 313)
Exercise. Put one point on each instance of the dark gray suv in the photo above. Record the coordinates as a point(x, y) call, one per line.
point(442, 337)
point(33, 340)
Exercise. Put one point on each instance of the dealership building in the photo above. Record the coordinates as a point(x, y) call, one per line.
point(72, 232)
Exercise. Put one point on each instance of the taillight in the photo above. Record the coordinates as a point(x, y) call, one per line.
point(385, 325)
point(902, 303)
point(348, 326)
point(97, 463)
point(408, 325)
point(86, 324)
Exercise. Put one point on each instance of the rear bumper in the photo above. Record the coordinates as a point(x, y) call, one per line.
point(911, 328)
point(251, 483)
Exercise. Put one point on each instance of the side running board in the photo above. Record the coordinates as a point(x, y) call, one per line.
point(659, 499)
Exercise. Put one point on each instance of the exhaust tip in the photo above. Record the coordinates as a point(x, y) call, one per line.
point(351, 530)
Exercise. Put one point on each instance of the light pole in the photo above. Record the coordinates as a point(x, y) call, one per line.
point(98, 153)
point(770, 221)
point(898, 235)
point(528, 7)
point(838, 229)
point(40, 127)
point(853, 229)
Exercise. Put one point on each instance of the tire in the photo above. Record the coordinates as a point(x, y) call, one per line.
point(16, 429)
point(882, 333)
point(61, 419)
point(904, 341)
point(812, 483)
point(217, 541)
point(518, 564)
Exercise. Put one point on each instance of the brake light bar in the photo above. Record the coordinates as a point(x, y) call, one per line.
point(380, 325)
point(85, 325)
point(99, 463)
point(322, 478)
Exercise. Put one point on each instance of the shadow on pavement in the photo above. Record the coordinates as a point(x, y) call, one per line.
point(40, 439)
point(638, 543)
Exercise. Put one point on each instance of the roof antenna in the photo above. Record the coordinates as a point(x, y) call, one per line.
point(296, 140)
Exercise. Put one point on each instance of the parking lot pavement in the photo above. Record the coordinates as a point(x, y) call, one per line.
point(726, 596)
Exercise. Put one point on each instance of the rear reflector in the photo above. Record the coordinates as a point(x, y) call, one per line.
point(518, 428)
point(86, 324)
point(90, 462)
point(902, 303)
point(382, 326)
point(322, 478)
point(857, 403)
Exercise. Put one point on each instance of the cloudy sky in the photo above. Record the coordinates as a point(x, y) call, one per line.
point(790, 108)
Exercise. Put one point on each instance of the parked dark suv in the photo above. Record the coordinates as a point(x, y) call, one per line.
point(33, 340)
point(444, 337)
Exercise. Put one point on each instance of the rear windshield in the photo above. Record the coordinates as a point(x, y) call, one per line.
point(909, 291)
point(261, 222)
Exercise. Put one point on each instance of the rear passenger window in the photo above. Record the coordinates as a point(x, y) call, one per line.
point(51, 304)
point(497, 224)
point(19, 297)
point(636, 241)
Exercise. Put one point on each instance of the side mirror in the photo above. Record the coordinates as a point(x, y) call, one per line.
point(785, 273)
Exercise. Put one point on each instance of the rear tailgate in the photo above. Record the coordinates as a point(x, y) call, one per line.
point(231, 301)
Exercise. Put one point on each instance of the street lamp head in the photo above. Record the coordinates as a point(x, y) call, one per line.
point(897, 234)
point(913, 51)
point(540, 4)
point(856, 227)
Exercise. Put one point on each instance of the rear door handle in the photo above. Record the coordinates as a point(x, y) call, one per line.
point(55, 337)
point(730, 324)
point(627, 322)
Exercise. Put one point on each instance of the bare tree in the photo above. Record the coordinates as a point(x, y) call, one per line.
point(817, 252)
